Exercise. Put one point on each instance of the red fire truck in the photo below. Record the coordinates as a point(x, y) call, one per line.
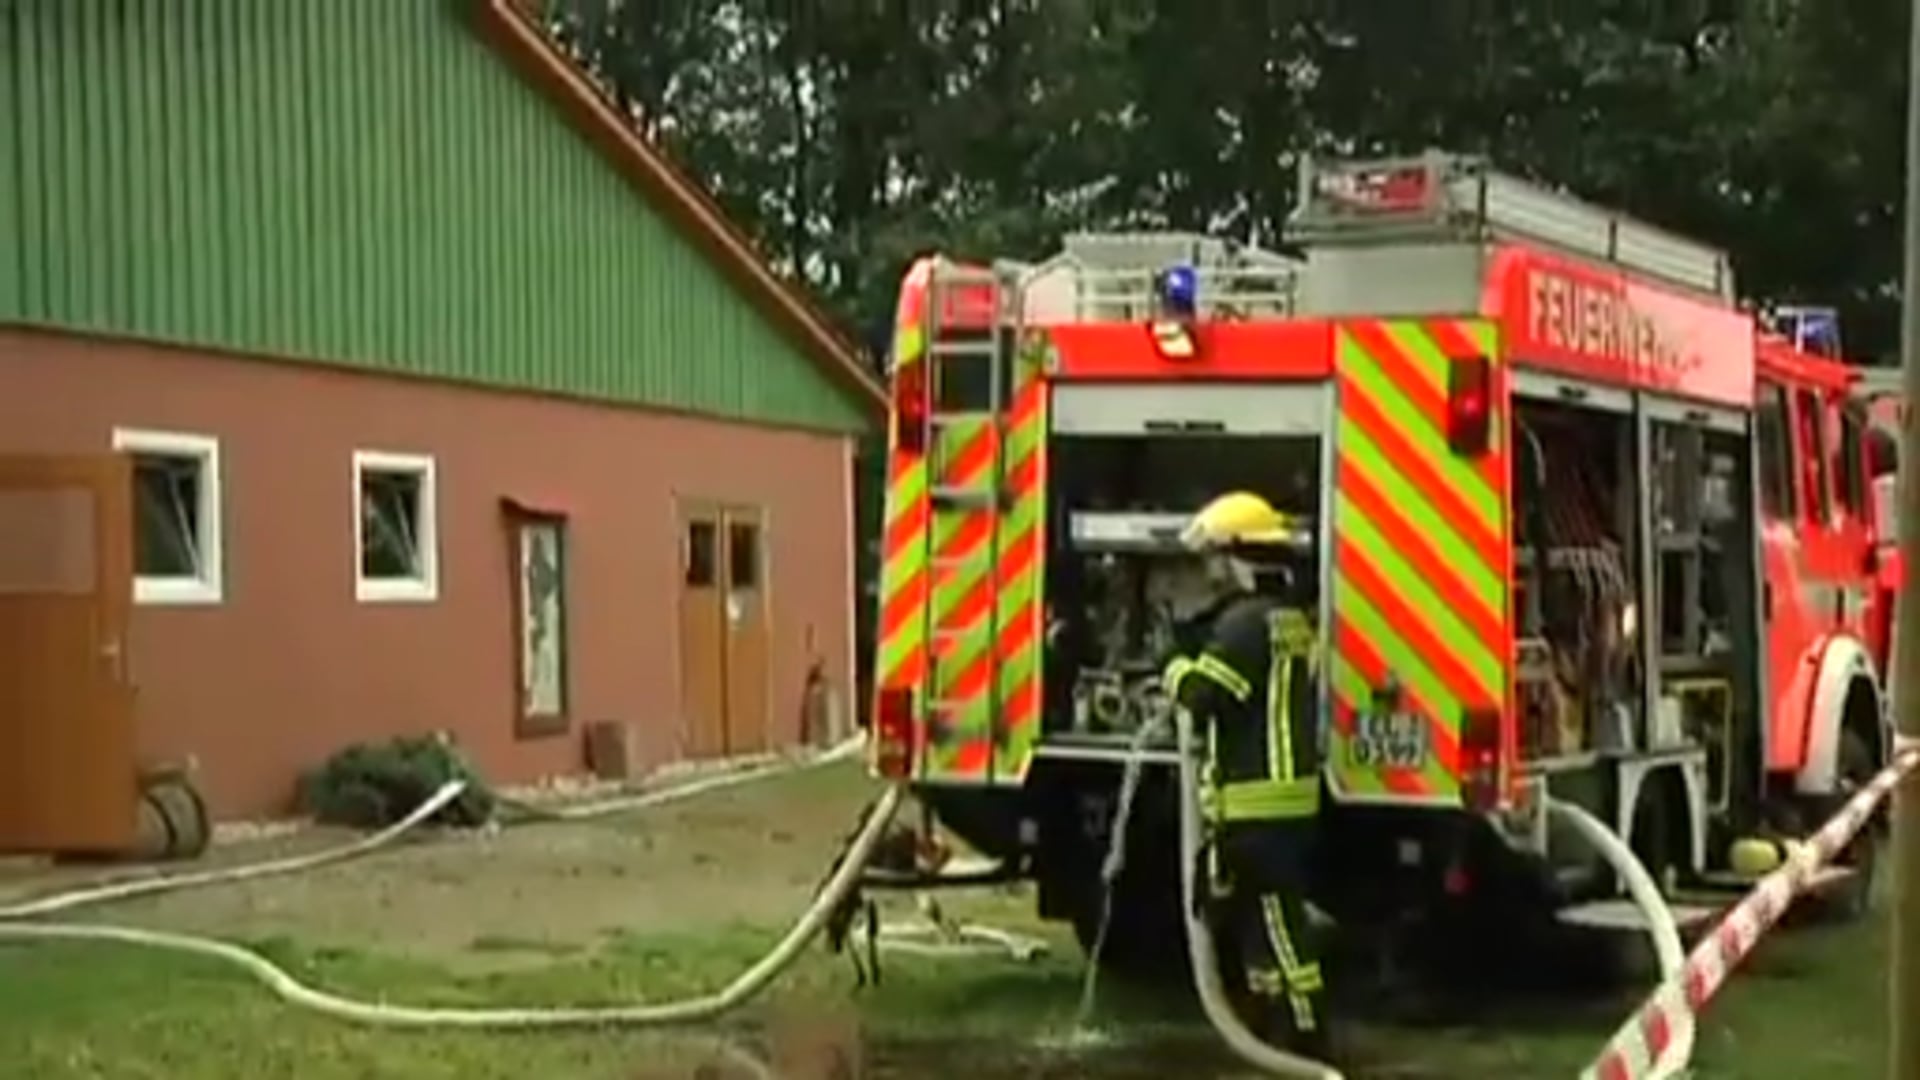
point(1582, 526)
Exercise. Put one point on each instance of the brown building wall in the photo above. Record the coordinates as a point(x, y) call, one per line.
point(290, 666)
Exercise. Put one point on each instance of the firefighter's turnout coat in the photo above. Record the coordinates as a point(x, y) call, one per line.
point(1248, 681)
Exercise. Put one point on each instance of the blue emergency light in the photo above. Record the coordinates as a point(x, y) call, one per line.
point(1820, 331)
point(1179, 291)
point(1812, 329)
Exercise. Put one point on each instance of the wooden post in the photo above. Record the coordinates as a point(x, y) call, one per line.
point(1903, 991)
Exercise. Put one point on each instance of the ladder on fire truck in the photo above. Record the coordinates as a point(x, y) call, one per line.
point(1438, 198)
point(1111, 277)
point(970, 322)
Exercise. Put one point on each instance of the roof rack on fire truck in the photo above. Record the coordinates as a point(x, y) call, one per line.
point(1440, 197)
point(1111, 277)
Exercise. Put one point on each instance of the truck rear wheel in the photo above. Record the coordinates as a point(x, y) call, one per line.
point(1146, 934)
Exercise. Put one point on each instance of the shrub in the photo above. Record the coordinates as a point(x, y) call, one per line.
point(371, 785)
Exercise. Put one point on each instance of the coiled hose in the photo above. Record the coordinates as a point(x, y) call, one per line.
point(1200, 950)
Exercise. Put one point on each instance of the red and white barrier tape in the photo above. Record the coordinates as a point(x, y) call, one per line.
point(1643, 1045)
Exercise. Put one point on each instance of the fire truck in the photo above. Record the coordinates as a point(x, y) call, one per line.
point(1581, 525)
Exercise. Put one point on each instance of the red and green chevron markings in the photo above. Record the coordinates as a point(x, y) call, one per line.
point(959, 585)
point(1419, 581)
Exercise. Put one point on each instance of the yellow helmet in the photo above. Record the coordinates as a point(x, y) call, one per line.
point(1238, 518)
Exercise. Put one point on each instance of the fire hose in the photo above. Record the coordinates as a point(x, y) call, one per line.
point(1645, 894)
point(1203, 958)
point(1201, 955)
point(1648, 1044)
point(838, 888)
point(111, 891)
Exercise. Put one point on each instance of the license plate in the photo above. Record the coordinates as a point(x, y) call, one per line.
point(1389, 739)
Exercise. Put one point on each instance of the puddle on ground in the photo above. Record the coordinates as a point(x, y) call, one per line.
point(827, 1040)
point(1198, 1055)
point(791, 1050)
point(829, 1048)
point(1092, 1053)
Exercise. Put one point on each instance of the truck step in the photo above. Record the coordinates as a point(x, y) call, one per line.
point(966, 498)
point(1622, 914)
point(1825, 878)
point(948, 562)
point(948, 348)
point(1109, 751)
point(954, 704)
point(955, 417)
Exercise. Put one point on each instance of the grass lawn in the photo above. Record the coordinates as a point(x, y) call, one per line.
point(438, 925)
point(1811, 1006)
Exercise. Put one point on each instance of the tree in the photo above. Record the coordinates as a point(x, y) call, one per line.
point(851, 135)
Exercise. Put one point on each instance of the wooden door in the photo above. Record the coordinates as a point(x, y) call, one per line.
point(68, 770)
point(746, 633)
point(702, 633)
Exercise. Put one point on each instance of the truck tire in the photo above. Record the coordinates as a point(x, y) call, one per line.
point(1659, 836)
point(1853, 900)
point(1147, 936)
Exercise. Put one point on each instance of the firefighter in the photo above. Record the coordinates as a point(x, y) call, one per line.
point(1246, 678)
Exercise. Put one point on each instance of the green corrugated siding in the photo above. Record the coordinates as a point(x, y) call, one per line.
point(355, 180)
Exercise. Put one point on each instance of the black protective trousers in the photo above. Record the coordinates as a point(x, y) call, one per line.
point(1267, 937)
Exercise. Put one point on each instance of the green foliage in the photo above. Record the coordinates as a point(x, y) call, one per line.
point(370, 785)
point(850, 136)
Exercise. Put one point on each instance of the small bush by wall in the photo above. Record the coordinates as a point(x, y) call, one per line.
point(370, 785)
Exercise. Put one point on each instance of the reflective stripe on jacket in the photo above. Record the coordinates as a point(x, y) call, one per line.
point(1251, 688)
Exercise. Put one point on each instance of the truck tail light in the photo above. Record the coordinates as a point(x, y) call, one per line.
point(910, 407)
point(1174, 340)
point(893, 733)
point(1469, 405)
point(1480, 744)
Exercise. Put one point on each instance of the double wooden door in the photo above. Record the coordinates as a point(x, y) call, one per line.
point(723, 630)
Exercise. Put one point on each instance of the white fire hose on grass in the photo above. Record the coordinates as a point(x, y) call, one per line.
point(14, 924)
point(133, 888)
point(691, 1010)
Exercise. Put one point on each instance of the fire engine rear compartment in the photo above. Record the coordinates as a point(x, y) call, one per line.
point(1127, 465)
point(1578, 679)
point(1636, 632)
point(1587, 631)
point(1118, 493)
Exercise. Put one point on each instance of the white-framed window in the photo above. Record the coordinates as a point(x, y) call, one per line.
point(396, 531)
point(178, 557)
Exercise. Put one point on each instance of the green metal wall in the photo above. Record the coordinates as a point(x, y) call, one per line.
point(354, 180)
